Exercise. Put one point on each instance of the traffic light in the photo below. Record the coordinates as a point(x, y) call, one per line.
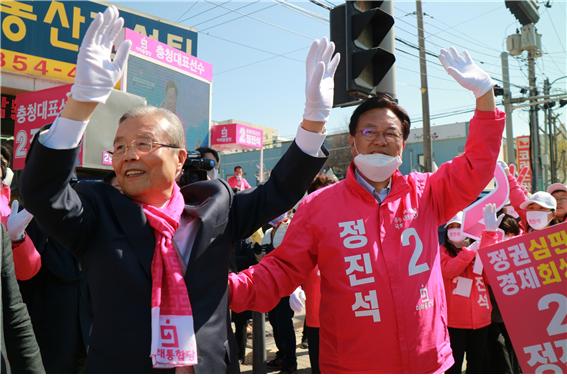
point(363, 34)
point(525, 11)
point(498, 90)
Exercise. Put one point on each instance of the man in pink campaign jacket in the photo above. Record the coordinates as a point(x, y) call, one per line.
point(237, 181)
point(374, 237)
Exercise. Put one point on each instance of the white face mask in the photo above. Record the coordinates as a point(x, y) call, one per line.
point(377, 167)
point(212, 174)
point(455, 235)
point(537, 220)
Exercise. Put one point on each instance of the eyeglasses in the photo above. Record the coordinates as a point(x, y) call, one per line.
point(370, 134)
point(141, 145)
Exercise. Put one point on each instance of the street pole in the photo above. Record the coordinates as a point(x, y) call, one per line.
point(258, 343)
point(549, 130)
point(534, 128)
point(427, 154)
point(506, 98)
point(261, 175)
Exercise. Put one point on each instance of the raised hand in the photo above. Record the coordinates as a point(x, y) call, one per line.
point(520, 176)
point(320, 83)
point(17, 222)
point(96, 72)
point(465, 71)
point(490, 221)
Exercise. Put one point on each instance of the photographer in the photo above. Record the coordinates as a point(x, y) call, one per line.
point(200, 165)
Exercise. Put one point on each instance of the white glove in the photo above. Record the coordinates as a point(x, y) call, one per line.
point(490, 221)
point(474, 246)
point(17, 222)
point(320, 83)
point(467, 73)
point(96, 74)
point(9, 176)
point(297, 300)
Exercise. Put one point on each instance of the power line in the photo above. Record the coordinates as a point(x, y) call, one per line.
point(251, 47)
point(216, 18)
point(203, 12)
point(262, 21)
point(187, 11)
point(554, 29)
point(302, 11)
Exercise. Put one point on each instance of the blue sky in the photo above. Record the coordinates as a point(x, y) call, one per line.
point(258, 48)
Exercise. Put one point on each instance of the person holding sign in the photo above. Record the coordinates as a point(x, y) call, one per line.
point(374, 238)
point(468, 301)
point(156, 256)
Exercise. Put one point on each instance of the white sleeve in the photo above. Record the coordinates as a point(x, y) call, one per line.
point(310, 142)
point(63, 134)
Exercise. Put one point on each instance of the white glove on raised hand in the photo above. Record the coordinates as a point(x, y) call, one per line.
point(320, 83)
point(96, 74)
point(465, 71)
point(490, 221)
point(297, 300)
point(17, 222)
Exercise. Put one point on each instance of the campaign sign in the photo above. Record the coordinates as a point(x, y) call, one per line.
point(232, 136)
point(528, 275)
point(33, 111)
point(473, 218)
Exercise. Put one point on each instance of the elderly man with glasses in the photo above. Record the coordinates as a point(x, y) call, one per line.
point(374, 238)
point(156, 256)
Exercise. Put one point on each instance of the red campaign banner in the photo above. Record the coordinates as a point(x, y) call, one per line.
point(528, 275)
point(33, 111)
point(523, 159)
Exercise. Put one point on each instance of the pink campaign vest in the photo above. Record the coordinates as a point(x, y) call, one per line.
point(383, 307)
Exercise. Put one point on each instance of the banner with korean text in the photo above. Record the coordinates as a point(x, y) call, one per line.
point(528, 275)
point(171, 79)
point(231, 136)
point(42, 38)
point(33, 111)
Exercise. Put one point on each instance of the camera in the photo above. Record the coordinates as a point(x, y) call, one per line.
point(195, 168)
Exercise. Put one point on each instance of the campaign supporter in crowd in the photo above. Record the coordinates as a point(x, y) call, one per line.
point(237, 181)
point(155, 255)
point(468, 302)
point(374, 238)
point(58, 303)
point(27, 260)
point(19, 352)
point(244, 257)
point(312, 292)
point(559, 192)
point(518, 193)
point(540, 211)
point(281, 316)
point(501, 357)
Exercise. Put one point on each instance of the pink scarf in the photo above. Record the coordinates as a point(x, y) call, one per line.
point(173, 337)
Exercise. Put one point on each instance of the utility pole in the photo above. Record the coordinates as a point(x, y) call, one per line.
point(427, 155)
point(549, 130)
point(535, 151)
point(506, 99)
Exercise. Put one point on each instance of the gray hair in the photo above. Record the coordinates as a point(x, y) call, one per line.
point(175, 131)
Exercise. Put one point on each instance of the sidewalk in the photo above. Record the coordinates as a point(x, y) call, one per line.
point(303, 365)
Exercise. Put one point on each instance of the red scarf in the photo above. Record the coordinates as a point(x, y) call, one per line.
point(173, 337)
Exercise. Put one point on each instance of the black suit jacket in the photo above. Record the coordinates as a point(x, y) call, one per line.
point(20, 353)
point(116, 243)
